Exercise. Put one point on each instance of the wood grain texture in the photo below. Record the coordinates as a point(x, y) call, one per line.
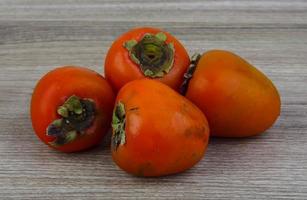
point(36, 36)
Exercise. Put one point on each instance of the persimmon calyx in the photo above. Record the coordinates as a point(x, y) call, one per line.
point(77, 115)
point(118, 126)
point(189, 73)
point(152, 54)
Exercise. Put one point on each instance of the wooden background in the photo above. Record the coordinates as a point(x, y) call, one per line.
point(36, 36)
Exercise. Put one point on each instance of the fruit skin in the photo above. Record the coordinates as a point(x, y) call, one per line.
point(237, 99)
point(120, 69)
point(55, 87)
point(165, 133)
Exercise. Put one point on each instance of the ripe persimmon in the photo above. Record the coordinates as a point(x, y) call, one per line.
point(156, 131)
point(146, 52)
point(71, 108)
point(237, 99)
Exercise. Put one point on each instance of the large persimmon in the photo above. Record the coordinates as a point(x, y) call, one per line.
point(156, 131)
point(237, 99)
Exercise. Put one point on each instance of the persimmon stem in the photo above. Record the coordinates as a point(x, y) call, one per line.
point(189, 73)
point(153, 55)
point(76, 116)
point(118, 125)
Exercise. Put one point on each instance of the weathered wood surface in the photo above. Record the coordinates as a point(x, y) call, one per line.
point(36, 36)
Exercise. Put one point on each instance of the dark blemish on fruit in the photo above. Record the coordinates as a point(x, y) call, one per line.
point(184, 109)
point(144, 169)
point(134, 108)
point(197, 132)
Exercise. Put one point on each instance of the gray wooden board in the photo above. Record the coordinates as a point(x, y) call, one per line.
point(36, 36)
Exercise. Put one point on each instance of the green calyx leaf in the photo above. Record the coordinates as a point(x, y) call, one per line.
point(71, 136)
point(152, 54)
point(57, 122)
point(118, 126)
point(161, 36)
point(148, 72)
point(73, 104)
point(63, 111)
point(65, 139)
point(130, 44)
point(134, 59)
point(77, 115)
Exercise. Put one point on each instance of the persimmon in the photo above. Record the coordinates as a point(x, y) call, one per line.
point(237, 99)
point(146, 52)
point(156, 131)
point(71, 108)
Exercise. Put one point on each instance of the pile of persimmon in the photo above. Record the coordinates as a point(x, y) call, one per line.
point(164, 107)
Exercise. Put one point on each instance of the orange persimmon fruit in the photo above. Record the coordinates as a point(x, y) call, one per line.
point(71, 108)
point(146, 52)
point(156, 131)
point(237, 99)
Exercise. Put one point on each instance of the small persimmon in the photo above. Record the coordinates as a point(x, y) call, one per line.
point(71, 108)
point(146, 52)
